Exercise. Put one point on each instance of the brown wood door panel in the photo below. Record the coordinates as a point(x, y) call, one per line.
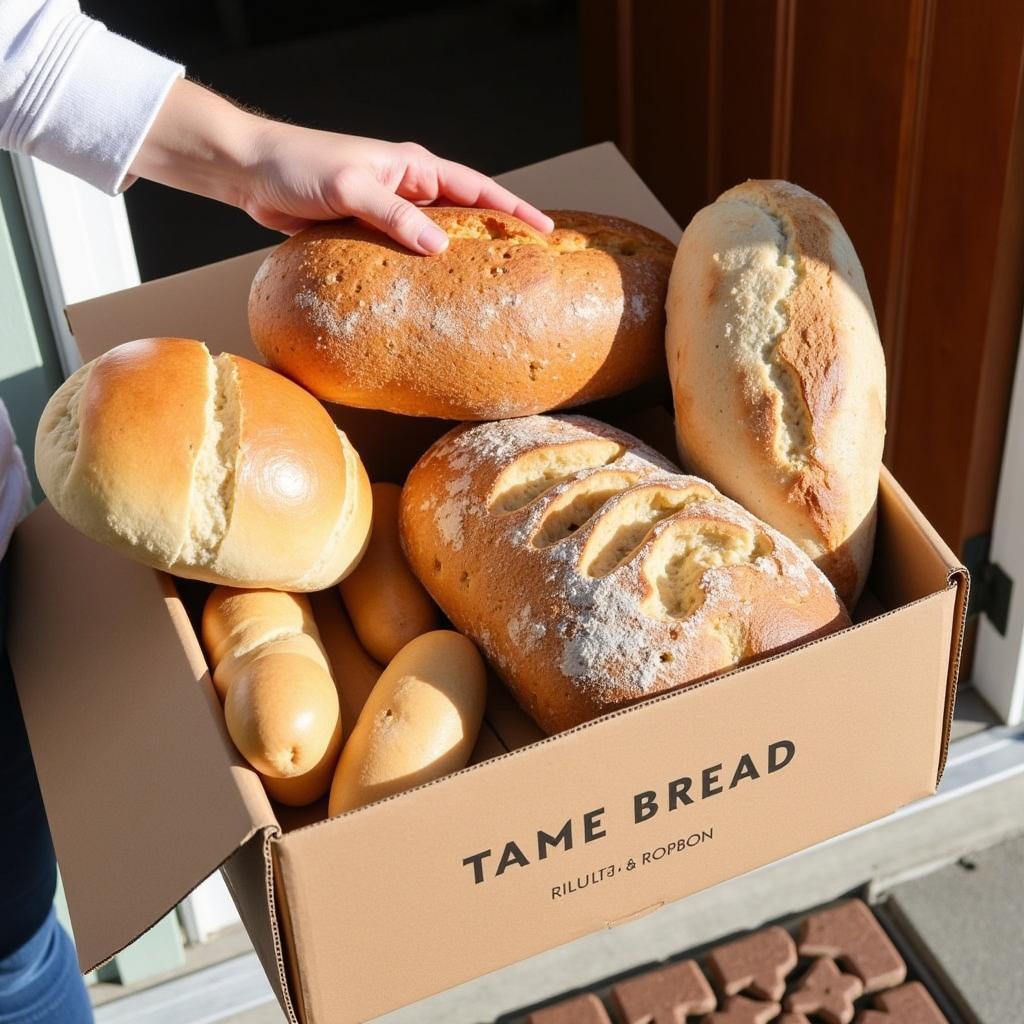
point(904, 115)
point(743, 115)
point(970, 120)
point(670, 109)
point(846, 116)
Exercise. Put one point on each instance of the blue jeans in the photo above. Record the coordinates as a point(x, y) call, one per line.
point(39, 978)
point(40, 983)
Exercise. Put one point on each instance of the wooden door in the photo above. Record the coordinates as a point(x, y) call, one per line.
point(904, 115)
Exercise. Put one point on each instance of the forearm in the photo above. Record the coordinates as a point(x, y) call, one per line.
point(201, 143)
point(74, 94)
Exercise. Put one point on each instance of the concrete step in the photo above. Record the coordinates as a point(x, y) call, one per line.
point(966, 923)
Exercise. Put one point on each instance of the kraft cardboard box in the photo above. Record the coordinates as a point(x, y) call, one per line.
point(529, 849)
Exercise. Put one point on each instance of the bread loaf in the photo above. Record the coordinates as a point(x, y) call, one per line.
point(778, 371)
point(420, 722)
point(280, 701)
point(217, 469)
point(505, 322)
point(592, 573)
point(386, 603)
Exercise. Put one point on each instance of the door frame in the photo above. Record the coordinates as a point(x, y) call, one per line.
point(998, 672)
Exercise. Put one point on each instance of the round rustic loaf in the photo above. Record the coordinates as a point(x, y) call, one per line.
point(592, 573)
point(215, 469)
point(505, 322)
point(778, 372)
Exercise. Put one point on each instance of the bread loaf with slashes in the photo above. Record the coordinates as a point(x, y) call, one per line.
point(592, 573)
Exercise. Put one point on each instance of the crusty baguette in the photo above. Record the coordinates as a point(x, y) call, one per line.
point(280, 700)
point(592, 573)
point(217, 469)
point(386, 603)
point(505, 322)
point(421, 721)
point(778, 371)
point(354, 671)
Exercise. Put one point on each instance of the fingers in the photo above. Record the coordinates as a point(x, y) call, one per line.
point(283, 222)
point(467, 187)
point(395, 216)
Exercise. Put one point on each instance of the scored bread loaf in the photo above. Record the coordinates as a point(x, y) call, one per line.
point(217, 469)
point(507, 321)
point(273, 677)
point(778, 372)
point(592, 573)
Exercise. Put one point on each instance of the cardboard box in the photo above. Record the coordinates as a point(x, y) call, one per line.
point(363, 913)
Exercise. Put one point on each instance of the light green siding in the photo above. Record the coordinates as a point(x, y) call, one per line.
point(29, 366)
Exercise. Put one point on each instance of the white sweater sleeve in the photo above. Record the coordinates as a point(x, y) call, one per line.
point(14, 487)
point(74, 94)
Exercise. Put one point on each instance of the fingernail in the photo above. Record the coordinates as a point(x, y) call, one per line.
point(432, 239)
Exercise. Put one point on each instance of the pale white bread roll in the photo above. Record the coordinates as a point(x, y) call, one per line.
point(420, 723)
point(386, 603)
point(217, 469)
point(777, 370)
point(592, 573)
point(280, 701)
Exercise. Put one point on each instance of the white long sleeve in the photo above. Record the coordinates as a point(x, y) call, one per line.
point(74, 94)
point(14, 487)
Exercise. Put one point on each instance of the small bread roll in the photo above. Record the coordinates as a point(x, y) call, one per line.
point(302, 790)
point(387, 604)
point(355, 672)
point(420, 723)
point(280, 701)
point(216, 469)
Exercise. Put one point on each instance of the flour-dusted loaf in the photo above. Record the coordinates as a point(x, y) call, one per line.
point(592, 573)
point(505, 322)
point(217, 469)
point(778, 371)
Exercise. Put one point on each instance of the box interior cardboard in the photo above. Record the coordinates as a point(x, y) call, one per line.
point(146, 795)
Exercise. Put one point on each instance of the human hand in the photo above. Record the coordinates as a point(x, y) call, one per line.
point(286, 177)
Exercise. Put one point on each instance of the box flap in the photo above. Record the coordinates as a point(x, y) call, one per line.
point(598, 179)
point(143, 791)
point(925, 566)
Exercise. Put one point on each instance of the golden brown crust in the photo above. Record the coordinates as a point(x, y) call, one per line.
point(592, 573)
point(505, 322)
point(214, 469)
point(149, 479)
point(419, 723)
point(778, 372)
